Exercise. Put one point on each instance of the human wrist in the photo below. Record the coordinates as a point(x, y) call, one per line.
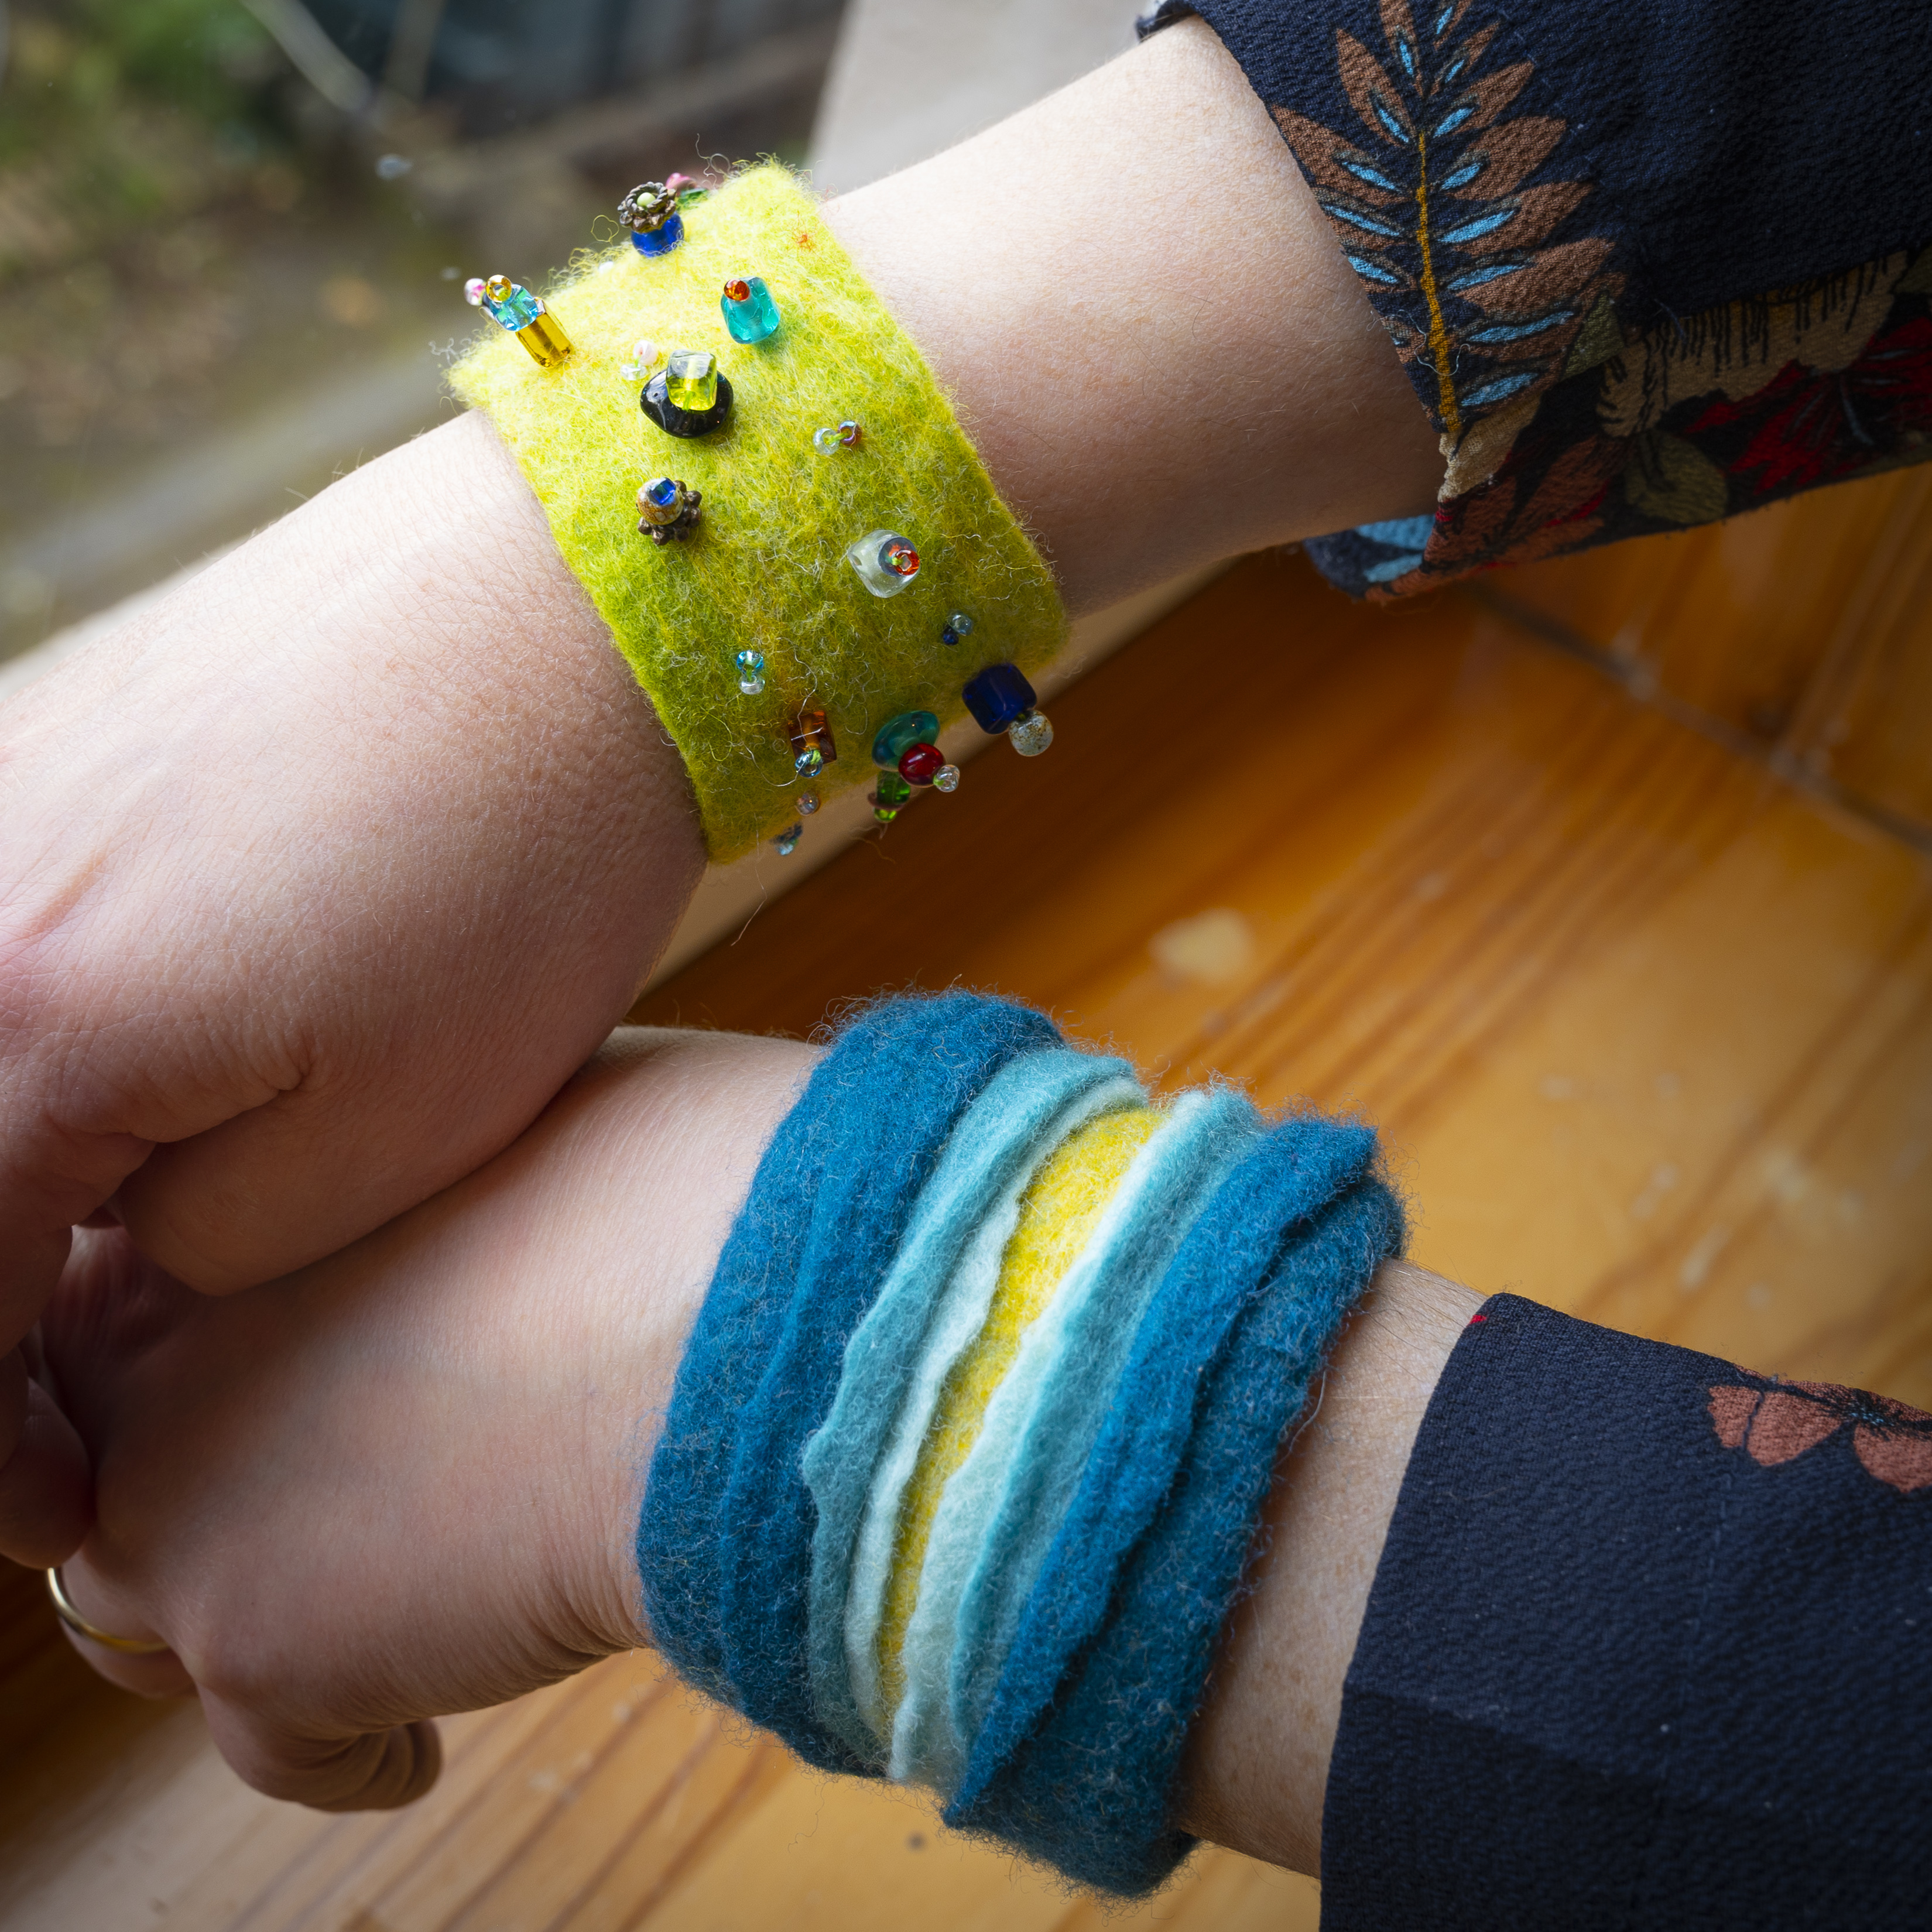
point(1258, 1752)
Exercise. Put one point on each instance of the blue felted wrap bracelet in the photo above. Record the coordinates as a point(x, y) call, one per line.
point(1069, 1688)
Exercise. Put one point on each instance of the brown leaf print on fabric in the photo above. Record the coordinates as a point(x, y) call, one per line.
point(1776, 1423)
point(1428, 196)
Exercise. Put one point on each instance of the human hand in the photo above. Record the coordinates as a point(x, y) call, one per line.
point(405, 1481)
point(315, 883)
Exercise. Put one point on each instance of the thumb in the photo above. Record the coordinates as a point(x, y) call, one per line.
point(373, 1771)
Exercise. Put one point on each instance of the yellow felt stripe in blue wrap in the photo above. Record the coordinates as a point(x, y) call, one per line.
point(766, 568)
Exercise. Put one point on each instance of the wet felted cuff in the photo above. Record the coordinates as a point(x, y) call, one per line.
point(765, 568)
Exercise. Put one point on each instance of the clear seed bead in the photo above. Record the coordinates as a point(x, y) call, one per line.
point(1031, 735)
point(750, 686)
point(825, 440)
point(807, 802)
point(957, 626)
point(946, 778)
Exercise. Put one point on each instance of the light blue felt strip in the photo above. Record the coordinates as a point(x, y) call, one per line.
point(998, 1142)
point(998, 1515)
point(958, 1319)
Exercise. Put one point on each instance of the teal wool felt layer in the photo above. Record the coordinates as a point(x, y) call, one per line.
point(1084, 1556)
point(1000, 1511)
point(931, 1307)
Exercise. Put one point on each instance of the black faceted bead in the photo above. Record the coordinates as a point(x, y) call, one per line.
point(675, 421)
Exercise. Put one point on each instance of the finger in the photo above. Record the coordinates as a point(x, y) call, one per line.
point(294, 1180)
point(152, 1674)
point(376, 1771)
point(46, 1501)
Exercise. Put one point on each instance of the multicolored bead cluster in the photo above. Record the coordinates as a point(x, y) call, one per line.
point(685, 395)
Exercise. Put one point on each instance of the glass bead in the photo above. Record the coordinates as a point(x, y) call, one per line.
point(659, 241)
point(836, 436)
point(673, 419)
point(884, 814)
point(896, 735)
point(545, 338)
point(886, 563)
point(750, 663)
point(922, 763)
point(960, 623)
point(807, 802)
point(891, 791)
point(662, 501)
point(750, 313)
point(812, 744)
point(643, 360)
point(1031, 735)
point(997, 696)
point(509, 303)
point(787, 841)
point(473, 292)
point(750, 686)
point(690, 380)
point(946, 778)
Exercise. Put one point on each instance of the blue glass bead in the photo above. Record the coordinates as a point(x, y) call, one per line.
point(997, 696)
point(516, 310)
point(753, 315)
point(787, 841)
point(897, 736)
point(750, 672)
point(660, 241)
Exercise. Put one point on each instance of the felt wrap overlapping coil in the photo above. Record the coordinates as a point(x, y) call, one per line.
point(949, 1493)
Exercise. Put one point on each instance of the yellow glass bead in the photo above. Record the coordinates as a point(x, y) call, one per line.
point(690, 380)
point(545, 339)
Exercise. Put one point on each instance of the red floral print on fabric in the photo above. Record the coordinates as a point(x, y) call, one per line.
point(1807, 427)
point(1778, 1422)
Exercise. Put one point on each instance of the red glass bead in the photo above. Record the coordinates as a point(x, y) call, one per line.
point(902, 558)
point(922, 763)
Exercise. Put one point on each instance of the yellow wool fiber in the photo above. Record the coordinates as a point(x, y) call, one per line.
point(1058, 1213)
point(766, 568)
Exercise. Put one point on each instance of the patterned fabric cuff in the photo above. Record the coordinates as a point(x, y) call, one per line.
point(1624, 309)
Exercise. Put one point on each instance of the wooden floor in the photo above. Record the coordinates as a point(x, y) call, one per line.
point(1606, 891)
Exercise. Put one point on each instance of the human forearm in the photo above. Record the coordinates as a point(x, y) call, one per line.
point(1146, 324)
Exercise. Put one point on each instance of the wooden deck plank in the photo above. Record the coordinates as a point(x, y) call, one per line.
point(1648, 1029)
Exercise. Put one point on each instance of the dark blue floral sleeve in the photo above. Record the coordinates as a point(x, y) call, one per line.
point(1647, 265)
point(1649, 1646)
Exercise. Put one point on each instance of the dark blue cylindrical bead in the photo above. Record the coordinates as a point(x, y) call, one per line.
point(997, 696)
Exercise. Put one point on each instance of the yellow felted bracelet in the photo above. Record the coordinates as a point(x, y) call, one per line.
point(764, 568)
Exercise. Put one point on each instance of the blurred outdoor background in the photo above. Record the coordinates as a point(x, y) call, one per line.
point(233, 233)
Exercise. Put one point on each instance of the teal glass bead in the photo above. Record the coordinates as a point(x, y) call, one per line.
point(898, 736)
point(503, 301)
point(750, 313)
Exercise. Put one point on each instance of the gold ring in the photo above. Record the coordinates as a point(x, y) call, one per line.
point(64, 1608)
